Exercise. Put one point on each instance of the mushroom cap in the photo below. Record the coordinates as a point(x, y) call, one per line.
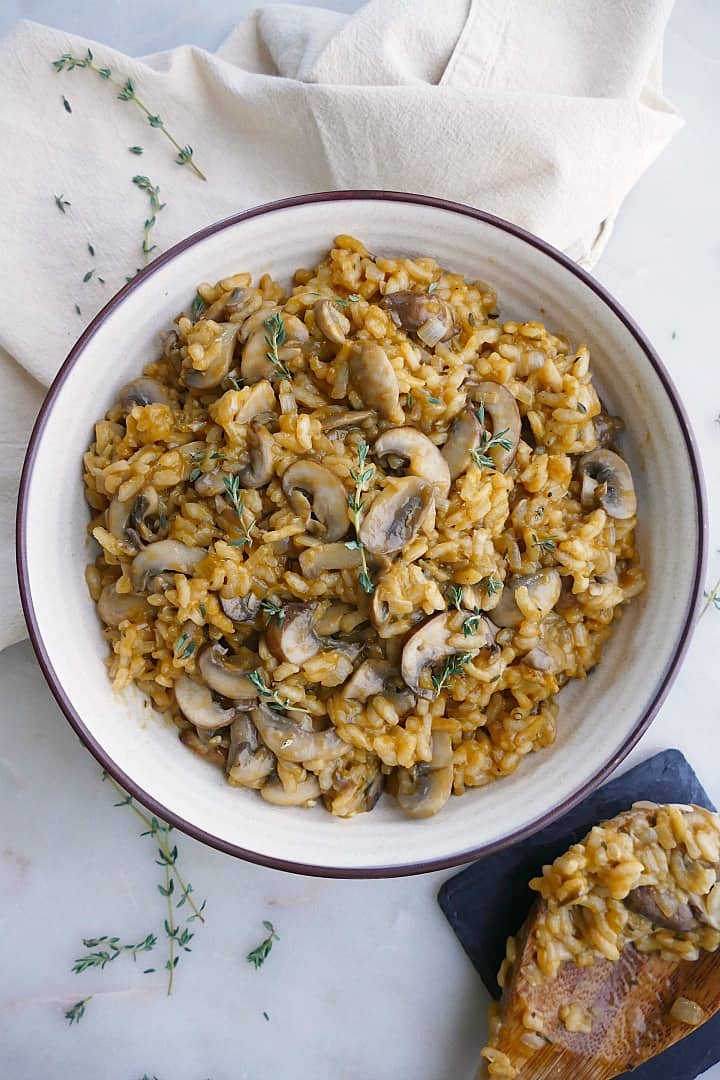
point(428, 316)
point(330, 320)
point(662, 908)
point(290, 741)
point(248, 762)
point(305, 794)
point(114, 607)
point(221, 363)
point(328, 501)
point(544, 587)
point(502, 408)
point(227, 678)
point(293, 638)
point(396, 514)
point(374, 379)
point(424, 789)
point(144, 391)
point(197, 705)
point(425, 646)
point(378, 677)
point(463, 436)
point(258, 470)
point(615, 491)
point(164, 555)
point(241, 608)
point(420, 454)
point(255, 364)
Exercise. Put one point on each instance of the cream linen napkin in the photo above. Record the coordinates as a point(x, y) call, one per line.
point(545, 113)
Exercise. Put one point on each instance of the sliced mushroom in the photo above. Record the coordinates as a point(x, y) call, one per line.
point(463, 436)
point(258, 470)
point(346, 419)
point(543, 588)
point(240, 608)
point(615, 491)
point(374, 379)
point(291, 742)
point(327, 505)
point(227, 678)
point(607, 428)
point(214, 755)
point(255, 364)
point(238, 407)
point(144, 391)
point(305, 794)
point(330, 321)
point(293, 638)
point(164, 555)
point(249, 763)
point(396, 514)
point(426, 646)
point(241, 303)
point(197, 705)
point(426, 787)
point(662, 909)
point(221, 364)
point(379, 677)
point(136, 520)
point(114, 607)
point(501, 407)
point(417, 454)
point(351, 795)
point(429, 317)
point(212, 483)
point(315, 560)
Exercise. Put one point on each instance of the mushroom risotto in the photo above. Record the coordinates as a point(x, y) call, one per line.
point(358, 536)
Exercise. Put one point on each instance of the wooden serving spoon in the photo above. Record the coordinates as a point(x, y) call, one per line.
point(629, 1000)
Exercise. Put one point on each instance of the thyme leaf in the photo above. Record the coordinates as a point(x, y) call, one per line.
point(275, 337)
point(271, 695)
point(76, 1012)
point(452, 666)
point(153, 193)
point(260, 953)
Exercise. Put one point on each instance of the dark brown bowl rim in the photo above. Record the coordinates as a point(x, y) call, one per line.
point(375, 871)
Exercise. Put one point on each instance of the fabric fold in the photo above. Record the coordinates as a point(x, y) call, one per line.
point(546, 114)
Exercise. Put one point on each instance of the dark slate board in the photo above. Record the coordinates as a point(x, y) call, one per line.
point(489, 901)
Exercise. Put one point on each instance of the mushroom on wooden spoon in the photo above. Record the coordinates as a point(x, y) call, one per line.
point(595, 1021)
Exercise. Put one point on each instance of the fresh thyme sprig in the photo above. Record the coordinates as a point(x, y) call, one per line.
point(272, 696)
point(174, 888)
point(274, 338)
point(471, 621)
point(712, 599)
point(76, 1012)
point(272, 610)
point(68, 62)
point(480, 454)
point(153, 191)
point(546, 545)
point(452, 666)
point(259, 955)
point(61, 203)
point(362, 477)
point(108, 949)
point(233, 492)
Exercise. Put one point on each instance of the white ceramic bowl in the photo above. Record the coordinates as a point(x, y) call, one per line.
point(600, 719)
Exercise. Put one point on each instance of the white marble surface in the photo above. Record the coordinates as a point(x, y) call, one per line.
point(367, 979)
